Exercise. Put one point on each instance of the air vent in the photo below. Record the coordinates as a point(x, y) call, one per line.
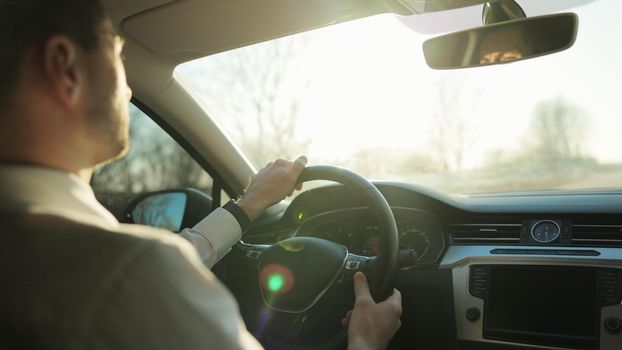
point(597, 235)
point(485, 233)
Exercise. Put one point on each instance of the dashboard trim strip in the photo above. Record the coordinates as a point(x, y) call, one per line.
point(458, 255)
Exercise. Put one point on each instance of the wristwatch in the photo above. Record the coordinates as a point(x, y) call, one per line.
point(238, 213)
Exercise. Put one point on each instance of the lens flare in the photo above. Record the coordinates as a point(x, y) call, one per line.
point(275, 282)
point(276, 279)
point(262, 322)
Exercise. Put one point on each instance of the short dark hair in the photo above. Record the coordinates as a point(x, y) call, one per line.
point(24, 23)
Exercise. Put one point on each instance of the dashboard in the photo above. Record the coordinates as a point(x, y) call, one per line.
point(503, 271)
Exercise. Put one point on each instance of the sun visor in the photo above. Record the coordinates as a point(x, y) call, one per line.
point(119, 9)
point(185, 30)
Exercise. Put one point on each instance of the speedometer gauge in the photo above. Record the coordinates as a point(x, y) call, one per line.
point(413, 235)
point(335, 231)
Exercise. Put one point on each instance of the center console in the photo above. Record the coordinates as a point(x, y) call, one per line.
point(538, 303)
point(546, 305)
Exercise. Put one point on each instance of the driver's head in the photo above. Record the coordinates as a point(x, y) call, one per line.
point(63, 92)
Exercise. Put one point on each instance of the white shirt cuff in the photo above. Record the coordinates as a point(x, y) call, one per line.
point(214, 236)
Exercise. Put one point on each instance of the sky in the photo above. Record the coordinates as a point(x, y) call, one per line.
point(370, 87)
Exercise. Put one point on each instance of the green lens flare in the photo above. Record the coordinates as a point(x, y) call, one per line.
point(275, 282)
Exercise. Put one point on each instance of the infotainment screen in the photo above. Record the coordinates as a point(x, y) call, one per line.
point(542, 303)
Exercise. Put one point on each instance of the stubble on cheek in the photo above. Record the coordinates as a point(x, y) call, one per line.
point(109, 123)
point(124, 130)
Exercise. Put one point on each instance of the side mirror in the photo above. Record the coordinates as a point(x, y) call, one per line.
point(169, 209)
point(503, 42)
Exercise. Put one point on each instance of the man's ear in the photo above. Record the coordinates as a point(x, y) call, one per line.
point(63, 70)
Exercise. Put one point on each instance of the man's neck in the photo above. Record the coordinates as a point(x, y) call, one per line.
point(86, 174)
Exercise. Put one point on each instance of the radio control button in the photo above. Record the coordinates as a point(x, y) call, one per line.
point(613, 325)
point(473, 314)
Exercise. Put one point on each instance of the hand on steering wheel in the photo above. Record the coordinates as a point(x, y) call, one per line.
point(371, 325)
point(296, 273)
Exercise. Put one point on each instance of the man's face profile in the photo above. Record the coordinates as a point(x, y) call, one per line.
point(109, 95)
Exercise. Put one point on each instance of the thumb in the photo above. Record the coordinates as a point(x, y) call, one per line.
point(361, 288)
point(302, 159)
point(300, 163)
point(395, 299)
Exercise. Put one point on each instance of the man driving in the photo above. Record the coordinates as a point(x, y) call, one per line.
point(73, 276)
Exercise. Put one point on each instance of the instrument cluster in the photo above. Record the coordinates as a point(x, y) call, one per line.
point(358, 230)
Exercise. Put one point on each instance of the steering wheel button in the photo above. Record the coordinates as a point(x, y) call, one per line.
point(352, 265)
point(253, 254)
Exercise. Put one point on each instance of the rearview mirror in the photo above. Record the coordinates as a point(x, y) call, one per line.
point(502, 42)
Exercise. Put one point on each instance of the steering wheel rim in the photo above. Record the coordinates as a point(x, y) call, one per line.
point(384, 270)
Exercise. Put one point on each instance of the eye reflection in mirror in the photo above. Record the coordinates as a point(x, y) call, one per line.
point(501, 56)
point(164, 210)
point(503, 45)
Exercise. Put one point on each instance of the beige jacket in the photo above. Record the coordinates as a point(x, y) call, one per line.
point(74, 278)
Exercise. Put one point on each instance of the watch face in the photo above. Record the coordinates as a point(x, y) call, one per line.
point(545, 231)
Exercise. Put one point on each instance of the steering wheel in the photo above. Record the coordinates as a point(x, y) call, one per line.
point(296, 275)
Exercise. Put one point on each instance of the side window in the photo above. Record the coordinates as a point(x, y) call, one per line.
point(154, 162)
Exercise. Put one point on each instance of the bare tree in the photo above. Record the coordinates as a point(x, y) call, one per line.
point(558, 130)
point(553, 153)
point(452, 126)
point(260, 88)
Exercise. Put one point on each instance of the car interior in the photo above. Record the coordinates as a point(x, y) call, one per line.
point(527, 255)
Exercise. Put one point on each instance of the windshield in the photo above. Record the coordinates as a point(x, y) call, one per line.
point(360, 95)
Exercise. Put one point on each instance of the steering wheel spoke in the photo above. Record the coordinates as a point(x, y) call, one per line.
point(247, 255)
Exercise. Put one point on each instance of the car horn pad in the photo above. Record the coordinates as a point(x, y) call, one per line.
point(295, 273)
